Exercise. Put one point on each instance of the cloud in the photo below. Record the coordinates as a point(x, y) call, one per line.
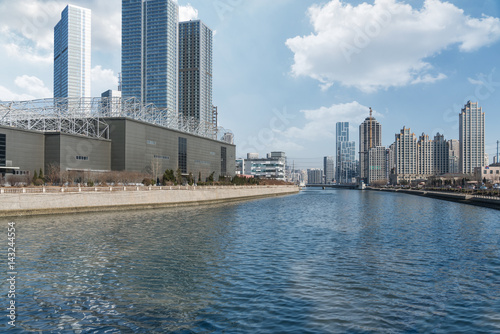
point(34, 86)
point(321, 123)
point(387, 44)
point(8, 95)
point(103, 80)
point(187, 13)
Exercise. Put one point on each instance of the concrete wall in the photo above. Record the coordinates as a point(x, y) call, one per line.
point(24, 148)
point(74, 152)
point(136, 146)
point(51, 203)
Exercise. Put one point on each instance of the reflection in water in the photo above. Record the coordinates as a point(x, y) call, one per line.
point(319, 262)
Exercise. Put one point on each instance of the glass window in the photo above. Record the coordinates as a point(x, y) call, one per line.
point(223, 161)
point(3, 149)
point(182, 164)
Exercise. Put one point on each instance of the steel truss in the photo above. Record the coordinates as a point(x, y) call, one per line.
point(86, 116)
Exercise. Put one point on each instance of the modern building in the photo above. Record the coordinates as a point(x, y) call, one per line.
point(441, 155)
point(406, 148)
point(346, 151)
point(72, 53)
point(377, 168)
point(471, 130)
point(314, 176)
point(195, 73)
point(329, 169)
point(425, 156)
point(111, 103)
point(454, 156)
point(150, 52)
point(271, 167)
point(370, 136)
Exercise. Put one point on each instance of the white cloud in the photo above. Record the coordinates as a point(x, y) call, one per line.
point(386, 44)
point(321, 123)
point(103, 80)
point(8, 95)
point(187, 13)
point(34, 86)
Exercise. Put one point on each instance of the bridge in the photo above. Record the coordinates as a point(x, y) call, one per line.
point(337, 186)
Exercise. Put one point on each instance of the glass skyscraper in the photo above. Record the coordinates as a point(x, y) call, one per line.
point(195, 71)
point(150, 51)
point(346, 159)
point(72, 53)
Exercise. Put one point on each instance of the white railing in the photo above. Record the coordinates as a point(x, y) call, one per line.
point(43, 190)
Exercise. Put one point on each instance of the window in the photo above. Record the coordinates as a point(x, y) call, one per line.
point(223, 161)
point(3, 150)
point(79, 157)
point(182, 155)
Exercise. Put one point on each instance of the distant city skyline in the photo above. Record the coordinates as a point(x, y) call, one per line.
point(292, 100)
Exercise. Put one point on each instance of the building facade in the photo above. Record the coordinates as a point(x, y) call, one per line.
point(370, 136)
point(406, 156)
point(150, 52)
point(377, 169)
point(425, 156)
point(270, 168)
point(471, 129)
point(314, 176)
point(346, 151)
point(72, 53)
point(441, 155)
point(195, 72)
point(454, 156)
point(329, 169)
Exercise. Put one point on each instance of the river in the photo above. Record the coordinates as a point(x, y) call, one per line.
point(322, 261)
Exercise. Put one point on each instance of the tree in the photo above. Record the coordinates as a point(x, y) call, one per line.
point(210, 178)
point(199, 177)
point(40, 175)
point(190, 179)
point(53, 174)
point(35, 177)
point(178, 176)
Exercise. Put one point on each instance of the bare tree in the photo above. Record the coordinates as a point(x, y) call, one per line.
point(53, 175)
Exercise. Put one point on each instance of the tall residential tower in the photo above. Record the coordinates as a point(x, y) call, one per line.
point(346, 151)
point(195, 72)
point(471, 138)
point(150, 51)
point(72, 52)
point(370, 136)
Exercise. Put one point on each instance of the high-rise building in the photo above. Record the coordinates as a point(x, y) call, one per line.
point(195, 73)
point(425, 156)
point(454, 156)
point(441, 155)
point(346, 151)
point(314, 176)
point(329, 169)
point(111, 104)
point(406, 155)
point(150, 52)
point(471, 137)
point(377, 171)
point(370, 136)
point(72, 53)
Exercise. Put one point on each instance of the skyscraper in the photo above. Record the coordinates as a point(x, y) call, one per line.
point(72, 53)
point(441, 154)
point(425, 156)
point(346, 150)
point(329, 169)
point(150, 51)
point(406, 155)
point(195, 72)
point(454, 156)
point(471, 138)
point(370, 136)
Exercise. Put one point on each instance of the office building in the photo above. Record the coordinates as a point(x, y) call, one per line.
point(471, 131)
point(346, 150)
point(150, 52)
point(271, 167)
point(111, 103)
point(195, 73)
point(72, 53)
point(370, 136)
point(329, 169)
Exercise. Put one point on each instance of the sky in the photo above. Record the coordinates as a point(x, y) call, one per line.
point(285, 71)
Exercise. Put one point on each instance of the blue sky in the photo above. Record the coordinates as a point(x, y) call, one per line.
point(286, 71)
